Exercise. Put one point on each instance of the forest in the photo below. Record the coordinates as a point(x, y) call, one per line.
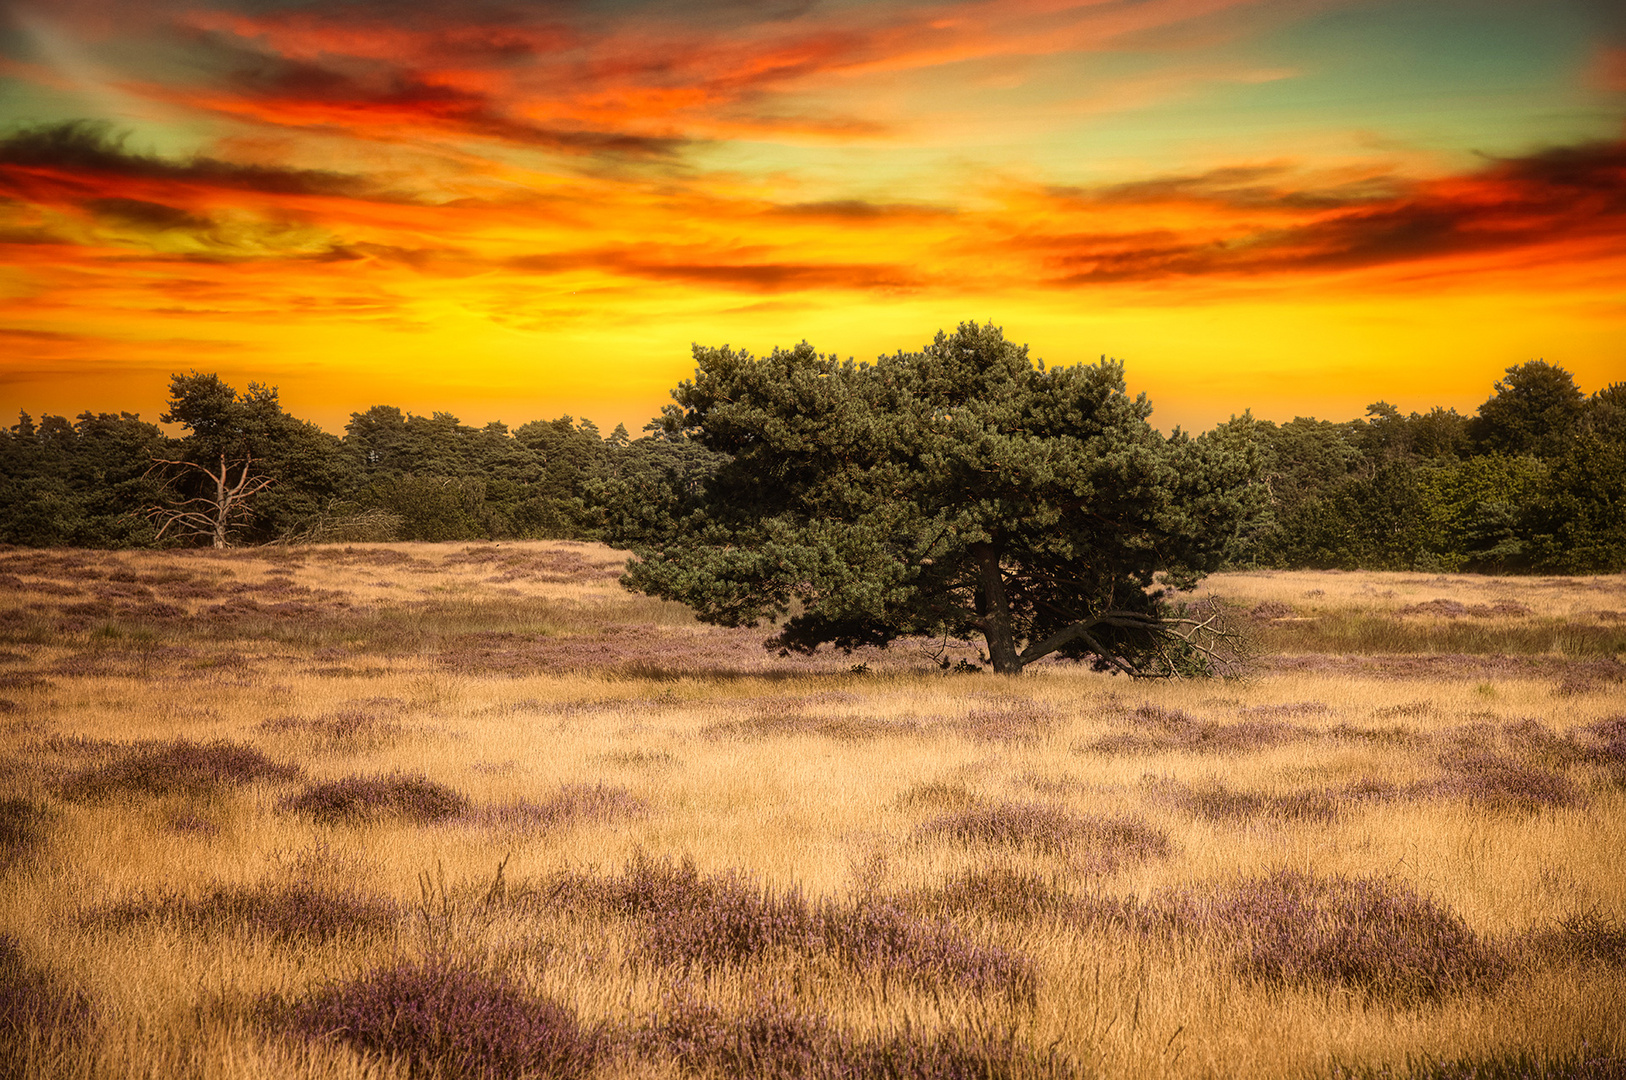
point(1533, 481)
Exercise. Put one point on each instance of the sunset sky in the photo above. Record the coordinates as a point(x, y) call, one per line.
point(515, 210)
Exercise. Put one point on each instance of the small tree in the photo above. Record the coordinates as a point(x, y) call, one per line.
point(223, 504)
point(958, 491)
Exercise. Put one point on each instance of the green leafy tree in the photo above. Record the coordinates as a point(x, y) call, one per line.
point(958, 491)
point(245, 467)
point(1534, 410)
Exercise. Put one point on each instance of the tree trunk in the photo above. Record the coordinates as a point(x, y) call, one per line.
point(996, 617)
point(221, 504)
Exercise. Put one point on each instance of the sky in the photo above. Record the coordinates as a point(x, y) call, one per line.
point(517, 210)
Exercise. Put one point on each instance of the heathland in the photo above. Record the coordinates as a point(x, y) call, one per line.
point(451, 809)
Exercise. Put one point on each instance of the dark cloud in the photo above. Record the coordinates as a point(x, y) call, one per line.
point(858, 210)
point(749, 277)
point(145, 214)
point(1563, 195)
point(1243, 187)
point(375, 99)
point(93, 146)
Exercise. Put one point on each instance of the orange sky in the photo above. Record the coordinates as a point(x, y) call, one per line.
point(511, 212)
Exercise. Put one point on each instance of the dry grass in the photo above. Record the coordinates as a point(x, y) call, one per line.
point(452, 810)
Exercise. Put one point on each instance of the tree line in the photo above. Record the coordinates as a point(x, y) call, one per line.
point(1533, 481)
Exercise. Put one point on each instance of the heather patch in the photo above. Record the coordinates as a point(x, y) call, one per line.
point(1375, 936)
point(1007, 720)
point(1583, 1064)
point(1606, 740)
point(776, 1040)
point(1497, 781)
point(294, 913)
point(786, 723)
point(1217, 802)
point(409, 796)
point(441, 1020)
point(179, 767)
point(1286, 709)
point(1052, 830)
point(706, 921)
point(356, 728)
point(571, 804)
point(1588, 936)
point(37, 1013)
point(22, 827)
point(1159, 730)
point(1455, 609)
point(936, 795)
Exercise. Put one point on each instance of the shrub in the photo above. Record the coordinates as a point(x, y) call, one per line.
point(1161, 730)
point(1498, 781)
point(447, 1021)
point(1588, 936)
point(570, 804)
point(774, 1040)
point(1104, 841)
point(37, 1013)
point(180, 767)
point(22, 825)
point(1372, 935)
point(298, 912)
point(686, 918)
point(366, 798)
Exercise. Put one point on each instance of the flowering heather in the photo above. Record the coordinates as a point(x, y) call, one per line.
point(22, 825)
point(179, 767)
point(1216, 802)
point(354, 727)
point(1159, 730)
point(936, 795)
point(875, 934)
point(1375, 936)
point(1583, 1064)
point(1003, 720)
point(446, 1021)
point(1498, 781)
point(685, 918)
point(36, 1012)
point(411, 796)
point(1052, 830)
point(1588, 936)
point(788, 723)
point(571, 804)
point(287, 914)
point(774, 1040)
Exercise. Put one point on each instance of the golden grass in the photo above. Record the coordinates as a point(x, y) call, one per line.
point(510, 672)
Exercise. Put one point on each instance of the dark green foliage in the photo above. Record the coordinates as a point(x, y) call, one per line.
point(1535, 410)
point(243, 436)
point(76, 484)
point(958, 491)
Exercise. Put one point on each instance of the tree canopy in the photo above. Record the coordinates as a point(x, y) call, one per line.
point(959, 491)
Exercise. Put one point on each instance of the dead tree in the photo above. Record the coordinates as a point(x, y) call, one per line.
point(210, 515)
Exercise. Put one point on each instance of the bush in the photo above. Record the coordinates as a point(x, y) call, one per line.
point(366, 798)
point(447, 1021)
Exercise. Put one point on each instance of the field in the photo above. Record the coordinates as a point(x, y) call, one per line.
point(464, 810)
